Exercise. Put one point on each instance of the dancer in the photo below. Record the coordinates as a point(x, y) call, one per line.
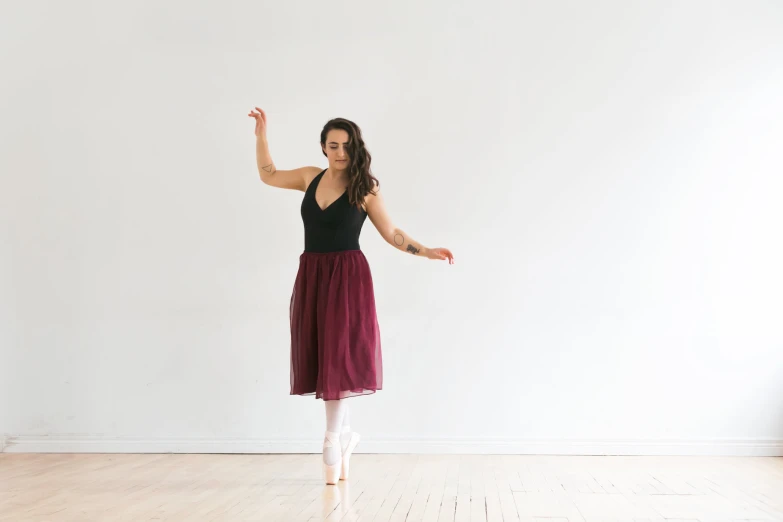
point(335, 337)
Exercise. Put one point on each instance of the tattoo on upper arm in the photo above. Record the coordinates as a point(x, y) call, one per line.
point(270, 168)
point(413, 250)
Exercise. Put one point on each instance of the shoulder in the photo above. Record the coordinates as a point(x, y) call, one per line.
point(373, 196)
point(310, 173)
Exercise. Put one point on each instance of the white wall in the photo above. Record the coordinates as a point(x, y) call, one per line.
point(608, 175)
point(8, 344)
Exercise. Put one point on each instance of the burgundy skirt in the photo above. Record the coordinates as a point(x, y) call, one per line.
point(335, 338)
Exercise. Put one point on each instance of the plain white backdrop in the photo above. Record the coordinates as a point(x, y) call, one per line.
point(608, 175)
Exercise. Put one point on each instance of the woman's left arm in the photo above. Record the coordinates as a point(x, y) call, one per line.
point(376, 211)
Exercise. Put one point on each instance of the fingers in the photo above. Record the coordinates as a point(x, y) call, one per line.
point(260, 116)
point(446, 254)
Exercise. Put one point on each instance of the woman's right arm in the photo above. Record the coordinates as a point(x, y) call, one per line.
point(297, 179)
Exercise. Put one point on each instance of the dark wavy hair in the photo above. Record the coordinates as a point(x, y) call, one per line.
point(360, 179)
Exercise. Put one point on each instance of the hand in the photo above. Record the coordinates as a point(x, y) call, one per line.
point(440, 253)
point(260, 117)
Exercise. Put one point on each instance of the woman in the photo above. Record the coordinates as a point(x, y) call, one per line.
point(335, 339)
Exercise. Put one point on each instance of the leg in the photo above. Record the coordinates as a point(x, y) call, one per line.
point(348, 441)
point(335, 411)
point(345, 430)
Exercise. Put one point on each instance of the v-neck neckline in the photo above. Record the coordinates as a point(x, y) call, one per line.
point(315, 192)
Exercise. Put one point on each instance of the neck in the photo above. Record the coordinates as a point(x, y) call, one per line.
point(337, 174)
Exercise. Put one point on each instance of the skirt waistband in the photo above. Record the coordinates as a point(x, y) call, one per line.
point(334, 253)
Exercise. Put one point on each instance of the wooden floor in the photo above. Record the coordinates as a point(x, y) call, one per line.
point(63, 488)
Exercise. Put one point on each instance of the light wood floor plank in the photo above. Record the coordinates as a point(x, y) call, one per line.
point(388, 488)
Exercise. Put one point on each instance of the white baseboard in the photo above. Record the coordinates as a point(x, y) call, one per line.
point(86, 444)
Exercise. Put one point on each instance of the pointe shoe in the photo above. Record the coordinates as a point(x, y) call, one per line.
point(332, 473)
point(346, 457)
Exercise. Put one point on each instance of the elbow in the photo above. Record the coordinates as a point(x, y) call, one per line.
point(394, 238)
point(266, 173)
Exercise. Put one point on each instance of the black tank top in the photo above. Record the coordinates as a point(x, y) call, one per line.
point(333, 229)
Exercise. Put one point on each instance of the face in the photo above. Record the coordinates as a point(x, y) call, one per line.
point(336, 149)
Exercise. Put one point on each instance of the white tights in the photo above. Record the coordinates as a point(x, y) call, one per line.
point(338, 419)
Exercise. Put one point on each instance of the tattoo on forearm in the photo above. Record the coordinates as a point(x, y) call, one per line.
point(399, 240)
point(270, 168)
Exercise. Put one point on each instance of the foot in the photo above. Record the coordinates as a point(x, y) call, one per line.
point(348, 441)
point(332, 464)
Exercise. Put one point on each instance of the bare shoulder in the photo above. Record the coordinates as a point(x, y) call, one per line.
point(309, 174)
point(373, 198)
point(294, 179)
